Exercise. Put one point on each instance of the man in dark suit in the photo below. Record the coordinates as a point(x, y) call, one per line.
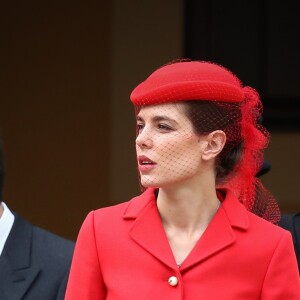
point(291, 222)
point(34, 263)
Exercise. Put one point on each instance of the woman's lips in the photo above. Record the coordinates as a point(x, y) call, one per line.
point(145, 164)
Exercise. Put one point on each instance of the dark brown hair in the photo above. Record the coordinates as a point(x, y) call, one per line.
point(208, 116)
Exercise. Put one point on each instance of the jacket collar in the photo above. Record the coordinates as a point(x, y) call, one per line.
point(148, 232)
point(137, 204)
point(236, 212)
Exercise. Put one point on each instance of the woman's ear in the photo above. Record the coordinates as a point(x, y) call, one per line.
point(215, 142)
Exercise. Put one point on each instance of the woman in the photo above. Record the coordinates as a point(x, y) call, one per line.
point(192, 233)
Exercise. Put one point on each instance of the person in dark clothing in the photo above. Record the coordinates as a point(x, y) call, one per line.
point(34, 263)
point(291, 222)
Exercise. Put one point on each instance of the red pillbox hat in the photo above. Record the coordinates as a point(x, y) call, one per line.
point(188, 80)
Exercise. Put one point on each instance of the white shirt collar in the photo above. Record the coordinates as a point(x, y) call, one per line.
point(6, 223)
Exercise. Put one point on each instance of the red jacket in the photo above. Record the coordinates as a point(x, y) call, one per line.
point(122, 253)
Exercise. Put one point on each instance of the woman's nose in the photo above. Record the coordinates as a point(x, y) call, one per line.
point(144, 139)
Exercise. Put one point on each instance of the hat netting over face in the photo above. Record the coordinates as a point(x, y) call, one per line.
point(186, 100)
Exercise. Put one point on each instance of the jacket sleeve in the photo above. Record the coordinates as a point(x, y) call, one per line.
point(85, 280)
point(282, 277)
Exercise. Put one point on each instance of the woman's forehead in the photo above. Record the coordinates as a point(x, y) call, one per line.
point(168, 109)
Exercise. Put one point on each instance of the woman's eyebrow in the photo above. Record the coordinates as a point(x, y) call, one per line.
point(158, 119)
point(163, 118)
point(138, 118)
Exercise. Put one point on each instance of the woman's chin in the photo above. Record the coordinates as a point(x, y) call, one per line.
point(150, 183)
point(155, 184)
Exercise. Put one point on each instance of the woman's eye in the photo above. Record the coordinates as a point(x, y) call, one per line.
point(139, 127)
point(164, 127)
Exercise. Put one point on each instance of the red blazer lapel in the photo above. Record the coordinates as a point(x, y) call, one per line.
point(147, 230)
point(217, 236)
point(220, 232)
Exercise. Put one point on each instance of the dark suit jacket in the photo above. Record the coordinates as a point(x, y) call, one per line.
point(34, 264)
point(291, 222)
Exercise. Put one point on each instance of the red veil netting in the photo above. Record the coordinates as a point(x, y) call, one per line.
point(249, 188)
point(215, 99)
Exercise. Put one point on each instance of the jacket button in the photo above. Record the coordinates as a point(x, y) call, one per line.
point(173, 281)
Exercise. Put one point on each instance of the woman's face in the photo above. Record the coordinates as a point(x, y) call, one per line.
point(168, 150)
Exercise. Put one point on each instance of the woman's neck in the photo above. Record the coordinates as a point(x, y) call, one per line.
point(187, 208)
point(186, 212)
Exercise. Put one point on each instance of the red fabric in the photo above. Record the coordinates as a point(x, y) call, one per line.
point(122, 253)
point(193, 80)
point(250, 190)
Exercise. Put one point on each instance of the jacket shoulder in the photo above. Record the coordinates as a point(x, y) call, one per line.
point(266, 231)
point(50, 241)
point(125, 210)
point(45, 245)
point(109, 214)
